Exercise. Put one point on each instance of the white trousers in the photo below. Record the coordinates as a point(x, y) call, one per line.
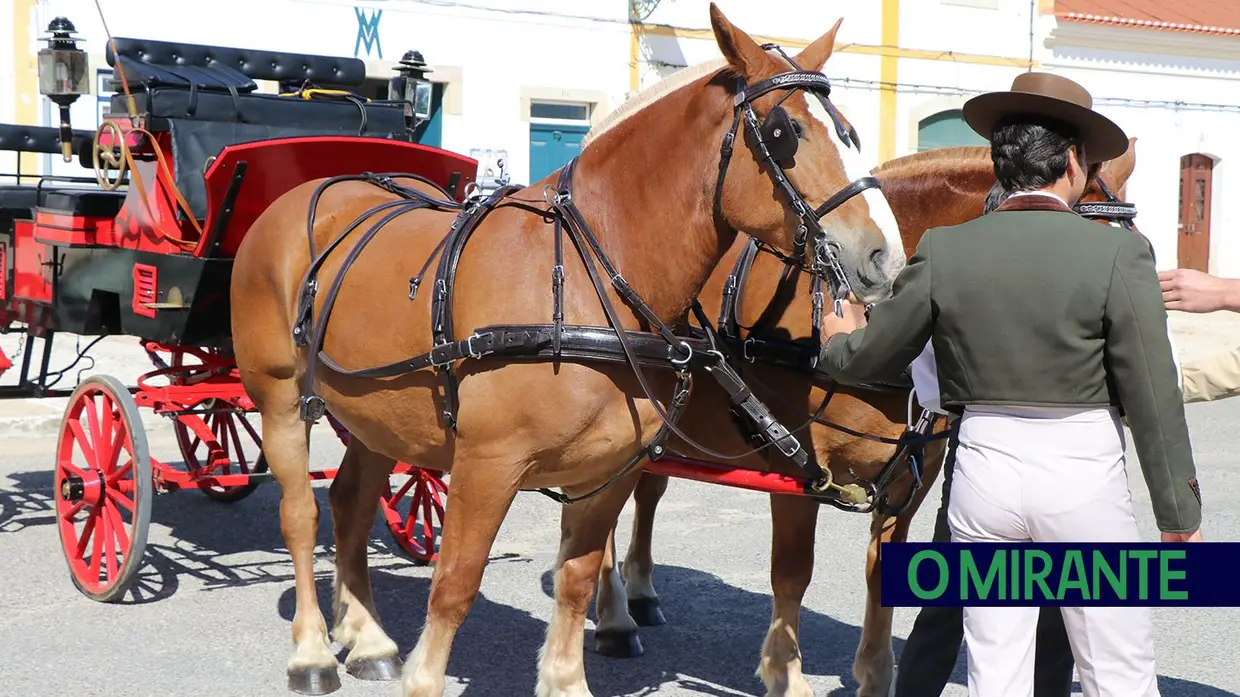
point(1048, 475)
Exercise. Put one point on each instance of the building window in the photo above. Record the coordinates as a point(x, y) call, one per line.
point(946, 129)
point(1196, 194)
point(560, 111)
point(103, 94)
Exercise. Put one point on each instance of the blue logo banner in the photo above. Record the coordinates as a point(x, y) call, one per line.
point(1202, 574)
point(367, 32)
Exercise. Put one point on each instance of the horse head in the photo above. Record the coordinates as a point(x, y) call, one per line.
point(800, 186)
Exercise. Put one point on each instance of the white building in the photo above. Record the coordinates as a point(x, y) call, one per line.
point(523, 80)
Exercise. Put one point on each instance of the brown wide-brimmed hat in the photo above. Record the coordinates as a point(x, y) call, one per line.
point(1052, 96)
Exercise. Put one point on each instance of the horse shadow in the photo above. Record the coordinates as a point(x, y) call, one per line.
point(709, 646)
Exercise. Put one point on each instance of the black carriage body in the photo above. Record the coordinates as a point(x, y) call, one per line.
point(169, 298)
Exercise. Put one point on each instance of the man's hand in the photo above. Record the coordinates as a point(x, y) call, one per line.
point(854, 318)
point(1194, 536)
point(1193, 291)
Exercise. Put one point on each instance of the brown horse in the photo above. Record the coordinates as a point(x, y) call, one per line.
point(651, 192)
point(925, 190)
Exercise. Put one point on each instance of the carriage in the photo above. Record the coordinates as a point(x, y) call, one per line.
point(188, 157)
point(143, 249)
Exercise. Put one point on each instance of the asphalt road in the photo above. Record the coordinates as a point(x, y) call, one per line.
point(216, 594)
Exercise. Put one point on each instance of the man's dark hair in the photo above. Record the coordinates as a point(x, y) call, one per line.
point(995, 198)
point(1031, 153)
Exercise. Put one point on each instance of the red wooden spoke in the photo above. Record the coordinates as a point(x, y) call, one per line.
point(111, 535)
point(122, 472)
point(114, 453)
point(118, 531)
point(119, 498)
point(83, 442)
point(69, 514)
point(92, 517)
point(72, 469)
point(96, 434)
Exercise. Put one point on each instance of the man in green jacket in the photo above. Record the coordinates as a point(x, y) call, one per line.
point(1046, 329)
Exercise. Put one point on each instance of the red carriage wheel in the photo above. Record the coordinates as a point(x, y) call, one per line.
point(414, 511)
point(412, 504)
point(237, 444)
point(103, 488)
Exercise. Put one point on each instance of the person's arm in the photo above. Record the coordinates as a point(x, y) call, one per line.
point(896, 333)
point(1211, 378)
point(1187, 290)
point(1139, 357)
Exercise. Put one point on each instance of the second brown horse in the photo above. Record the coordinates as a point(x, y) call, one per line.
point(925, 190)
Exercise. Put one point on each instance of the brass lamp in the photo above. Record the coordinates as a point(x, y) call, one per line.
point(64, 75)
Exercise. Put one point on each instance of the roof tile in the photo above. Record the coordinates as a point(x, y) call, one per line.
point(1196, 16)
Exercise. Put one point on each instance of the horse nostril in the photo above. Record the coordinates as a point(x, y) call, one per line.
point(878, 257)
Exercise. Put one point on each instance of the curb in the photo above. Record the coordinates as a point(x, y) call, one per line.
point(42, 417)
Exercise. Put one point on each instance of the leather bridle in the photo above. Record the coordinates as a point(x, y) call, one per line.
point(776, 139)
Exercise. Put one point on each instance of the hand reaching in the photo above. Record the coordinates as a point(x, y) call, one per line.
point(1193, 291)
point(854, 318)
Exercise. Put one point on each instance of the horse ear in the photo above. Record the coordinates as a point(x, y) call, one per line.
point(742, 52)
point(814, 56)
point(1119, 169)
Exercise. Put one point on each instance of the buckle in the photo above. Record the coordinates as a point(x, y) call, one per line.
point(745, 349)
point(683, 361)
point(312, 408)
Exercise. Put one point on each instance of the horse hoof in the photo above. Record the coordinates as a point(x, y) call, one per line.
point(314, 681)
point(646, 612)
point(618, 644)
point(375, 669)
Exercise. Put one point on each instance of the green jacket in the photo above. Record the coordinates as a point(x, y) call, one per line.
point(1033, 305)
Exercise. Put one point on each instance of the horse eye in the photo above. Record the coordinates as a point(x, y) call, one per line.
point(796, 128)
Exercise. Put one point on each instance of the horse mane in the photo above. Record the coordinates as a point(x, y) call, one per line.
point(651, 94)
point(936, 163)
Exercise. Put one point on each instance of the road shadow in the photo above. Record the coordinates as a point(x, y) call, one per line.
point(710, 645)
point(28, 502)
point(205, 540)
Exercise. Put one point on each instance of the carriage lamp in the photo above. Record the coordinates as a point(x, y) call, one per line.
point(64, 75)
point(410, 85)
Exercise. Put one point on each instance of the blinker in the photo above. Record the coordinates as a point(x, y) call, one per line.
point(780, 136)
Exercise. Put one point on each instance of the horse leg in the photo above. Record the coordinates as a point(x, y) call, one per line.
point(615, 635)
point(482, 492)
point(312, 667)
point(874, 662)
point(584, 530)
point(793, 522)
point(354, 497)
point(638, 568)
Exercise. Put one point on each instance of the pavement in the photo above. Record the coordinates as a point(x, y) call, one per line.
point(213, 604)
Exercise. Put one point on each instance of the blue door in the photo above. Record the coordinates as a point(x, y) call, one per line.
point(430, 132)
point(552, 146)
